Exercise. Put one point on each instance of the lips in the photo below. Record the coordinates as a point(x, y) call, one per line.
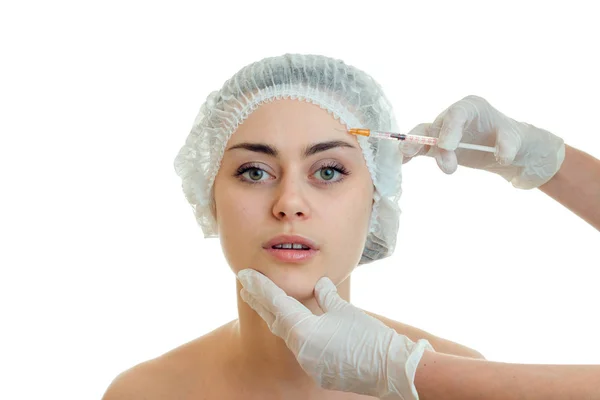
point(291, 255)
point(281, 239)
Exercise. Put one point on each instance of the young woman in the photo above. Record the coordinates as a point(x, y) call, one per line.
point(270, 169)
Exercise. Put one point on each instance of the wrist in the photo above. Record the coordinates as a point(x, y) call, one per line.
point(540, 157)
point(404, 357)
point(536, 174)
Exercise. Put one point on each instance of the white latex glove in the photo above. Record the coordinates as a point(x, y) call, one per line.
point(343, 349)
point(525, 155)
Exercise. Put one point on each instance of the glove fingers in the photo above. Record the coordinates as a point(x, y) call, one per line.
point(411, 150)
point(508, 143)
point(446, 160)
point(260, 310)
point(414, 149)
point(327, 295)
point(453, 122)
point(268, 294)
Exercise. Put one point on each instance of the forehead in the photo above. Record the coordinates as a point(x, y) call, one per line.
point(290, 119)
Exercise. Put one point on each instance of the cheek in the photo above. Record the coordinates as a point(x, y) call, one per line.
point(349, 220)
point(237, 219)
point(347, 236)
point(236, 216)
point(232, 206)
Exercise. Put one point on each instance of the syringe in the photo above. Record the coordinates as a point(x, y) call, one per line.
point(418, 139)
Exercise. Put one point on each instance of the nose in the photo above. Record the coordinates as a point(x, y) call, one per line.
point(291, 203)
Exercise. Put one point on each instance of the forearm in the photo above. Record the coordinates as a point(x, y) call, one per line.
point(442, 376)
point(577, 185)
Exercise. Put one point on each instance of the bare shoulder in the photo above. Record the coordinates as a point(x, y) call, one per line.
point(143, 381)
point(181, 373)
point(439, 344)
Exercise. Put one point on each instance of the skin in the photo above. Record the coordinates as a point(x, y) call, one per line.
point(294, 196)
point(441, 376)
point(576, 185)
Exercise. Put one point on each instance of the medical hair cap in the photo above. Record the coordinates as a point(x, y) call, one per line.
point(347, 93)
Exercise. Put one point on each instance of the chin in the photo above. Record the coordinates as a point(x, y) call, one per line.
point(297, 281)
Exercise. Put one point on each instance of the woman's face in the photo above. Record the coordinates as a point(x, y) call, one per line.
point(291, 169)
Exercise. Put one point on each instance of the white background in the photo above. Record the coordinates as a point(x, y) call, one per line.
point(103, 265)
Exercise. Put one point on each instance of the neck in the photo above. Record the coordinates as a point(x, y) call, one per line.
point(265, 355)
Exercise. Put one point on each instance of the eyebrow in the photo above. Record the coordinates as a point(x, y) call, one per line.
point(308, 151)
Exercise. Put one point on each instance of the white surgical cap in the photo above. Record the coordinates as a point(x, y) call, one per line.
point(347, 93)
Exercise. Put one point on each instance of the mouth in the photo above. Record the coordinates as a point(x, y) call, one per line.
point(291, 248)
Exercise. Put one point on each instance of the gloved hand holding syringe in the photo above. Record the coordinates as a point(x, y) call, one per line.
point(523, 154)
